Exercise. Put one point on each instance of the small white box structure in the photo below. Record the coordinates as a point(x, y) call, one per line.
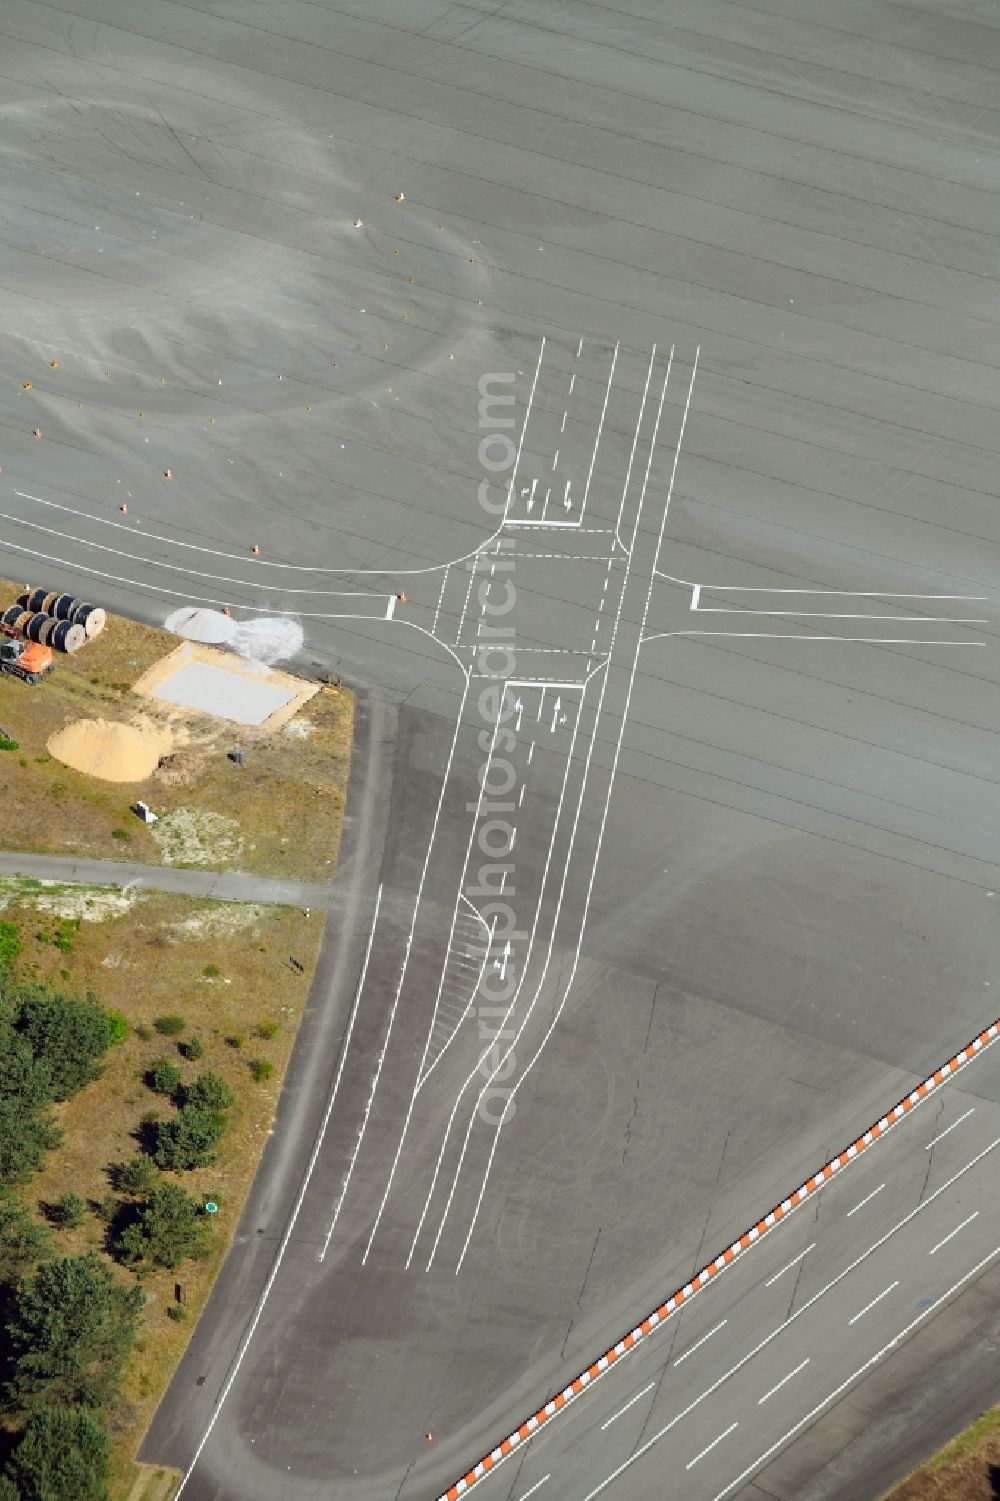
point(145, 812)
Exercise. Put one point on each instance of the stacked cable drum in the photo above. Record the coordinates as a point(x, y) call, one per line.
point(68, 622)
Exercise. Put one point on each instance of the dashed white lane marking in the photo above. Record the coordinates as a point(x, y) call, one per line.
point(578, 348)
point(866, 1200)
point(317, 1145)
point(944, 1133)
point(952, 1233)
point(792, 1263)
point(869, 1306)
point(872, 1360)
point(562, 425)
point(556, 459)
point(572, 382)
point(698, 1343)
point(536, 1487)
point(531, 752)
point(783, 1382)
point(630, 1403)
point(709, 1447)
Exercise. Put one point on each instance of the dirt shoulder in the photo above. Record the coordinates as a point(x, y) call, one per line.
point(277, 814)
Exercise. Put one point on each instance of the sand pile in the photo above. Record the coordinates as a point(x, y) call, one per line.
point(265, 640)
point(113, 752)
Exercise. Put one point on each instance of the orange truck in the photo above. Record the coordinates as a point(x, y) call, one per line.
point(24, 659)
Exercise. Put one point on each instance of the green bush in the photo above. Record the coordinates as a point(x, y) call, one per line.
point(10, 944)
point(192, 1049)
point(6, 743)
point(261, 1069)
point(169, 1229)
point(63, 1455)
point(164, 1076)
point(72, 1327)
point(137, 1176)
point(169, 1026)
point(121, 834)
point(209, 1092)
point(27, 1129)
point(68, 1212)
point(189, 1140)
point(23, 1241)
point(211, 971)
point(117, 1026)
point(266, 1029)
point(175, 1312)
point(106, 1208)
point(236, 1041)
point(142, 1031)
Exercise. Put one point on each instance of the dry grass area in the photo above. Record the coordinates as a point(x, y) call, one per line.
point(279, 814)
point(961, 1471)
point(223, 968)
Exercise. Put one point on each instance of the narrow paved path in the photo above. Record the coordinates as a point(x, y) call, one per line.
point(224, 885)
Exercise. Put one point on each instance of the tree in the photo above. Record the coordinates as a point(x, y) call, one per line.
point(68, 1212)
point(209, 1092)
point(63, 1456)
point(168, 1229)
point(189, 1140)
point(70, 1033)
point(23, 1241)
point(72, 1328)
point(27, 1130)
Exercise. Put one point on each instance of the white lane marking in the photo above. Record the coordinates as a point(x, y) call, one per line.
point(572, 382)
point(536, 1487)
point(630, 1403)
point(562, 425)
point(520, 444)
point(695, 596)
point(578, 348)
point(390, 608)
point(788, 1268)
point(437, 612)
point(869, 1306)
point(781, 1329)
point(698, 1343)
point(952, 1233)
point(944, 1133)
point(531, 752)
point(248, 1336)
point(612, 774)
point(600, 429)
point(791, 636)
point(536, 918)
point(709, 1447)
point(783, 1382)
point(866, 1200)
point(260, 563)
point(872, 1360)
point(556, 459)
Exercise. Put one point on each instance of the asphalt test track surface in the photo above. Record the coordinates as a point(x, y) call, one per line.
point(793, 916)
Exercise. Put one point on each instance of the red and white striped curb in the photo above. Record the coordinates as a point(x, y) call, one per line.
point(812, 1185)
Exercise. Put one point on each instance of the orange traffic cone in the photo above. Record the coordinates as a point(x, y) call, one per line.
point(255, 550)
point(401, 598)
point(168, 474)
